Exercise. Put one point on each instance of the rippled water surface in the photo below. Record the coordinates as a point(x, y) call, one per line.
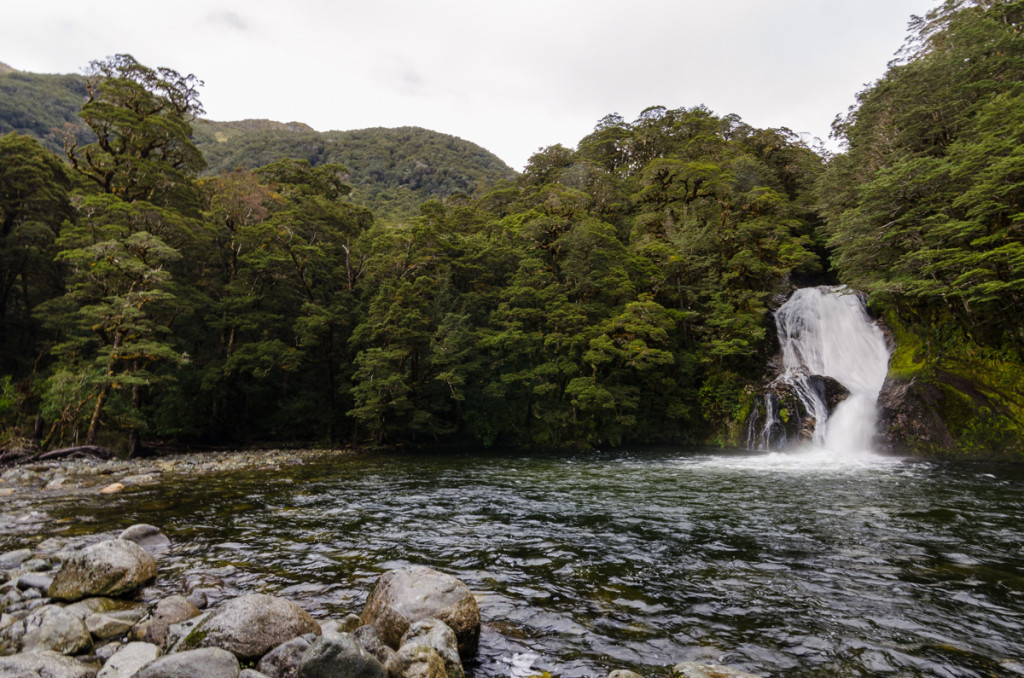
point(784, 565)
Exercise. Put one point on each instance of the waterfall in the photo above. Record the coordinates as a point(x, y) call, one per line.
point(826, 332)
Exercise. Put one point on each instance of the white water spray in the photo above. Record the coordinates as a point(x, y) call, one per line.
point(826, 331)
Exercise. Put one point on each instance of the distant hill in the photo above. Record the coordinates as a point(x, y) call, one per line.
point(392, 171)
point(43, 106)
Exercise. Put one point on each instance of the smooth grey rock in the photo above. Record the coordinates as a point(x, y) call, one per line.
point(368, 639)
point(53, 628)
point(251, 625)
point(332, 627)
point(624, 673)
point(147, 536)
point(283, 661)
point(171, 610)
point(435, 634)
point(699, 670)
point(407, 595)
point(107, 650)
point(106, 625)
point(416, 661)
point(129, 660)
point(208, 662)
point(197, 598)
point(44, 664)
point(114, 567)
point(34, 580)
point(36, 565)
point(339, 655)
point(177, 632)
point(12, 559)
point(252, 673)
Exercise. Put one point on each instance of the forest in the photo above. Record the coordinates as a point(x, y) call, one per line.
point(157, 286)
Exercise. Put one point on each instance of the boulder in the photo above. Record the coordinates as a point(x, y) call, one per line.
point(208, 662)
point(416, 661)
point(106, 625)
point(435, 634)
point(146, 536)
point(127, 661)
point(44, 664)
point(367, 638)
point(171, 610)
point(699, 670)
point(34, 580)
point(339, 655)
point(114, 567)
point(51, 627)
point(283, 661)
point(12, 559)
point(407, 595)
point(251, 625)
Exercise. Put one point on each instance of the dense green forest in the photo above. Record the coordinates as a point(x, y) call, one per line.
point(173, 279)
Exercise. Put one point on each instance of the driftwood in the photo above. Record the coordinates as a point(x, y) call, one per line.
point(77, 452)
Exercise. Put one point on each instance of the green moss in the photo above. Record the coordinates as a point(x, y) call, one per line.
point(907, 358)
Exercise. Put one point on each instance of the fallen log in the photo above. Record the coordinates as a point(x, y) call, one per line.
point(78, 452)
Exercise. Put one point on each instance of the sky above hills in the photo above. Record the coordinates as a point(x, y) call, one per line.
point(512, 76)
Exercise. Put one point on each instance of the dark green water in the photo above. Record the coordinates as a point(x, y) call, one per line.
point(780, 565)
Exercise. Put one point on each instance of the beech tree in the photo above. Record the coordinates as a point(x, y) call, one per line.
point(121, 247)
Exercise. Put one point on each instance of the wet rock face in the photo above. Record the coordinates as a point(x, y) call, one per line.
point(115, 567)
point(908, 417)
point(410, 594)
point(339, 655)
point(251, 625)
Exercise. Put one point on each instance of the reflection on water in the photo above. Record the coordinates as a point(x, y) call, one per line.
point(782, 564)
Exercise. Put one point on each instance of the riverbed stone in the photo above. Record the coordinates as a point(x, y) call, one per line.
point(283, 661)
point(129, 660)
point(624, 673)
point(35, 580)
point(410, 594)
point(251, 625)
point(416, 661)
point(252, 673)
point(147, 536)
point(435, 634)
point(45, 664)
point(106, 625)
point(339, 655)
point(700, 670)
point(51, 627)
point(368, 639)
point(114, 567)
point(12, 559)
point(170, 610)
point(208, 662)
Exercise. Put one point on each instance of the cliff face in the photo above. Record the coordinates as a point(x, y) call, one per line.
point(955, 405)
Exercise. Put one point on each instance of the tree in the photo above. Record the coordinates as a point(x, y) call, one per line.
point(34, 200)
point(126, 239)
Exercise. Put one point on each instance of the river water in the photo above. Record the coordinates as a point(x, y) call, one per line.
point(780, 564)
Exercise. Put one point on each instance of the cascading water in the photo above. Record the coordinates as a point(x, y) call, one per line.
point(826, 332)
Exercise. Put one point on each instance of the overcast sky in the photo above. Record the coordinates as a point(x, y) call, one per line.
point(510, 75)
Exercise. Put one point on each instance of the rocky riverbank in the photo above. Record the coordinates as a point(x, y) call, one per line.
point(86, 609)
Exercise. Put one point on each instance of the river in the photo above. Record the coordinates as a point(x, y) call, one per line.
point(780, 564)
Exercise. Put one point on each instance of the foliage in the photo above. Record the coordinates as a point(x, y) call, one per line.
point(925, 209)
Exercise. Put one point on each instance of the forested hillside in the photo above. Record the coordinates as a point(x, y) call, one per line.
point(391, 171)
point(619, 291)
